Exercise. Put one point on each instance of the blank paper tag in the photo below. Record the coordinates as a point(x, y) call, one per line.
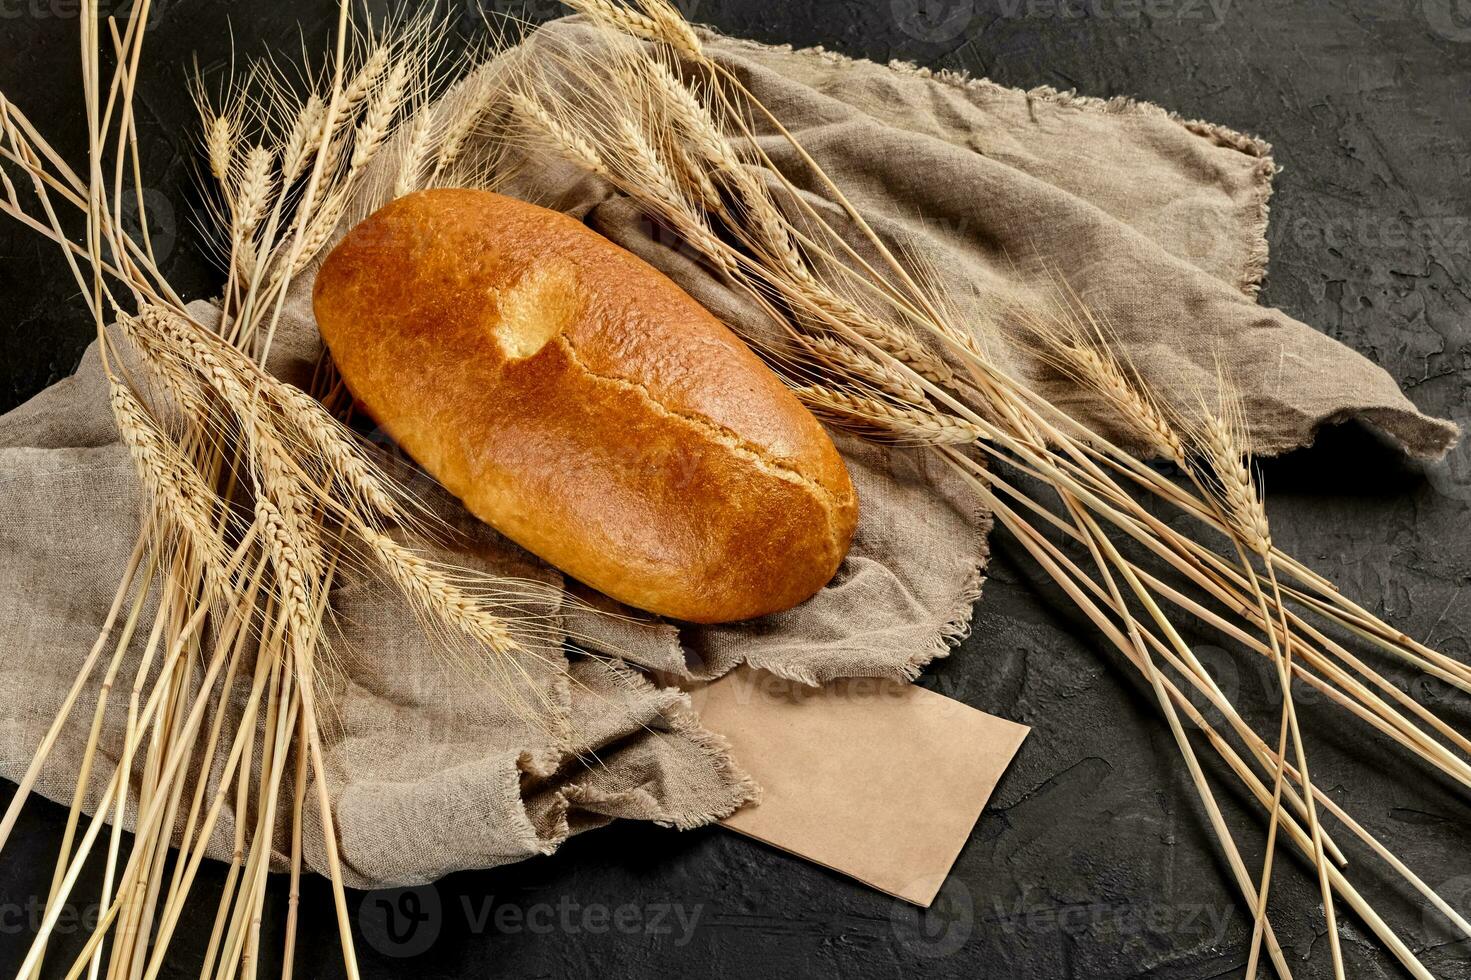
point(879, 780)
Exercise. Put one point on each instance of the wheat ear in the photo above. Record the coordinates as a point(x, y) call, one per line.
point(844, 360)
point(304, 137)
point(187, 500)
point(656, 22)
point(899, 423)
point(1099, 370)
point(1218, 445)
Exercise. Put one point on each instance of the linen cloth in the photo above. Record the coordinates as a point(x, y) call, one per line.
point(1158, 222)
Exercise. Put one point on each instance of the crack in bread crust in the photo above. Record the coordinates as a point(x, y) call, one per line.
point(721, 436)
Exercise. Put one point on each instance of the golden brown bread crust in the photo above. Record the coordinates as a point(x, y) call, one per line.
point(585, 406)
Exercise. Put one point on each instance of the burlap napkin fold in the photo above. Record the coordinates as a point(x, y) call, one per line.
point(1158, 222)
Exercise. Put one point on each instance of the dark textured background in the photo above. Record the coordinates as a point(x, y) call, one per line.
point(1091, 860)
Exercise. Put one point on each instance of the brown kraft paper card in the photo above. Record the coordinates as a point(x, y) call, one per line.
point(879, 780)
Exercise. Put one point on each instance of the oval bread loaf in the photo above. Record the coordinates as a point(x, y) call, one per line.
point(584, 405)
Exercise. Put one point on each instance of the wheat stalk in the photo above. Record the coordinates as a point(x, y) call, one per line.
point(366, 77)
point(246, 435)
point(656, 22)
point(1224, 458)
point(833, 352)
point(1025, 431)
point(1219, 445)
point(901, 423)
point(379, 117)
point(170, 479)
point(253, 191)
point(1092, 364)
point(339, 458)
point(467, 115)
point(417, 140)
point(1218, 441)
point(304, 137)
point(219, 141)
point(537, 116)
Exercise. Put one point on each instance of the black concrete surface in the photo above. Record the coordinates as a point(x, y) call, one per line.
point(1093, 859)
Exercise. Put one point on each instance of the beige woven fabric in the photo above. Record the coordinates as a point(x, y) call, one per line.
point(1158, 222)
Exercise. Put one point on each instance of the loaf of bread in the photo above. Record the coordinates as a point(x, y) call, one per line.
point(584, 405)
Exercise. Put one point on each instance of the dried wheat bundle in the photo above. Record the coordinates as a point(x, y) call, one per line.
point(874, 346)
point(259, 496)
